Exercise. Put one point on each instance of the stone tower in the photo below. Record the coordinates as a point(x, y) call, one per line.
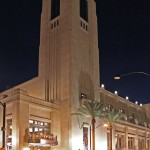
point(68, 72)
point(69, 57)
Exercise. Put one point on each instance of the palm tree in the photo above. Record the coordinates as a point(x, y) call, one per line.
point(112, 116)
point(91, 110)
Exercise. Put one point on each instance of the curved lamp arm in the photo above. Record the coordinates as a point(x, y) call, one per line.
point(118, 77)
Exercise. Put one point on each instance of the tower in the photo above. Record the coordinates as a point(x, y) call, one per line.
point(69, 58)
point(68, 71)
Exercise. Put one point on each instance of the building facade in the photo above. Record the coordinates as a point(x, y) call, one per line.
point(133, 131)
point(38, 112)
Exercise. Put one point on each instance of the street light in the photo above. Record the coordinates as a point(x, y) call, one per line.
point(105, 125)
point(118, 76)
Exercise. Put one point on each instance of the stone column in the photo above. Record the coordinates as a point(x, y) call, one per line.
point(55, 127)
point(20, 122)
point(136, 140)
point(126, 138)
point(113, 137)
point(23, 124)
point(15, 125)
point(146, 145)
point(149, 141)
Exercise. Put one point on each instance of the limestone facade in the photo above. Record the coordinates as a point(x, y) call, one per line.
point(133, 132)
point(38, 112)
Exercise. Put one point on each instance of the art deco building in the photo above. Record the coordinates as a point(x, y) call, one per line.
point(38, 112)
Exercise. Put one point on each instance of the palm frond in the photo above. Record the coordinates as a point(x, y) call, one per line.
point(90, 109)
point(112, 116)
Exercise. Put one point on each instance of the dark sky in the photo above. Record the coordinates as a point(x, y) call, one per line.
point(124, 42)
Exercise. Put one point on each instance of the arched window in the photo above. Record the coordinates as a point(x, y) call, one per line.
point(84, 9)
point(55, 8)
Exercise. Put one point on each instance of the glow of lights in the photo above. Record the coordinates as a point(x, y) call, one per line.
point(43, 141)
point(14, 140)
point(102, 144)
point(9, 143)
point(141, 104)
point(127, 97)
point(26, 148)
point(136, 102)
point(116, 92)
point(77, 139)
point(105, 125)
point(102, 86)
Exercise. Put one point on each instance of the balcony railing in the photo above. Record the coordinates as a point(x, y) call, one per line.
point(48, 141)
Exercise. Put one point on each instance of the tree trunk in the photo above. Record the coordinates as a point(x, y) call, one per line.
point(110, 139)
point(93, 134)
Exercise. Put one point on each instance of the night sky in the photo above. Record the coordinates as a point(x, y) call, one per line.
point(124, 43)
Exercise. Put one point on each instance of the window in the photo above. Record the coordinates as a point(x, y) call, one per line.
point(131, 141)
point(141, 143)
point(120, 141)
point(84, 9)
point(39, 129)
point(30, 129)
point(9, 134)
point(30, 121)
point(55, 8)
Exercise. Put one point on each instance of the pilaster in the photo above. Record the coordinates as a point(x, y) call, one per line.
point(149, 141)
point(136, 140)
point(113, 137)
point(126, 137)
point(146, 144)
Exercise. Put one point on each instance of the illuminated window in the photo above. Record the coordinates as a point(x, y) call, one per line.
point(35, 129)
point(39, 129)
point(9, 126)
point(55, 8)
point(84, 9)
point(9, 134)
point(30, 129)
point(141, 143)
point(120, 141)
point(46, 124)
point(131, 142)
point(30, 121)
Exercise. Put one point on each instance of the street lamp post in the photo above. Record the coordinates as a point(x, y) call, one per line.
point(3, 127)
point(118, 76)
